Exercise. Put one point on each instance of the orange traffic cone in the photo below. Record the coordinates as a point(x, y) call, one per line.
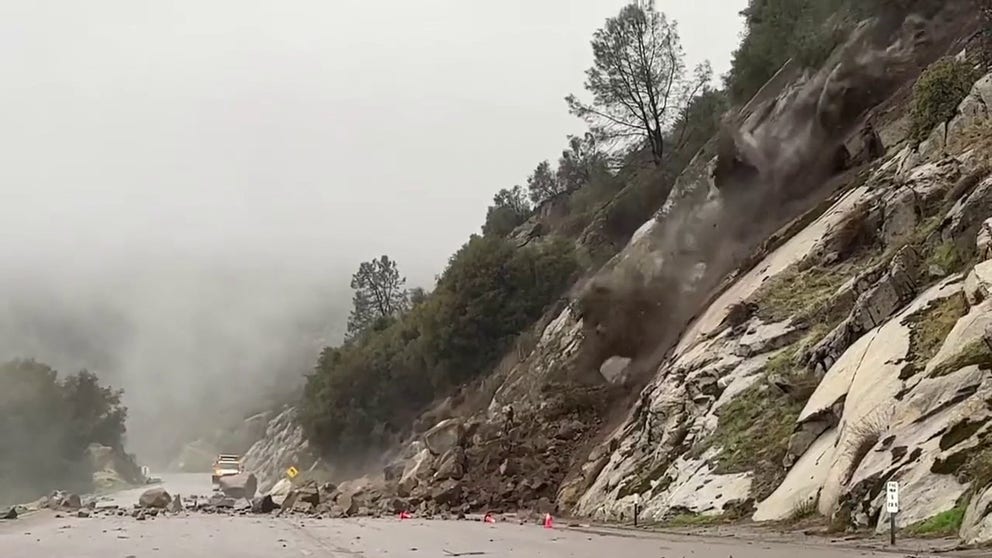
point(489, 518)
point(548, 521)
point(405, 515)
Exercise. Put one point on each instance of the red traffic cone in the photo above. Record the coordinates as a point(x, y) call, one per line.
point(489, 518)
point(405, 515)
point(548, 521)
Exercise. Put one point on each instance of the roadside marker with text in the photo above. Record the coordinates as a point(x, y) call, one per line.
point(892, 507)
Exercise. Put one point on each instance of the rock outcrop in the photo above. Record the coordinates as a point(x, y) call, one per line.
point(282, 446)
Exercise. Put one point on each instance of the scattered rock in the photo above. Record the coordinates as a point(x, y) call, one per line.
point(263, 504)
point(10, 513)
point(83, 514)
point(156, 497)
point(70, 502)
point(308, 493)
point(176, 505)
point(447, 492)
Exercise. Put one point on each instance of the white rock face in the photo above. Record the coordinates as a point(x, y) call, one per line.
point(282, 446)
point(967, 330)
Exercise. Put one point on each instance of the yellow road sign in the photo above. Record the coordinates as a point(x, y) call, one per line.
point(292, 472)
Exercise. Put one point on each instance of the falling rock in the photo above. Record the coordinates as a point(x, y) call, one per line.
point(155, 498)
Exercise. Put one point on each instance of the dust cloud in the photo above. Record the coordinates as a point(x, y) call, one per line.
point(196, 345)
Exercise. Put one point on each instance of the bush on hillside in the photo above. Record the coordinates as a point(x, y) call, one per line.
point(364, 394)
point(48, 425)
point(937, 94)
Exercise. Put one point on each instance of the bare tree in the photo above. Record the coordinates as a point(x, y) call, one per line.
point(638, 80)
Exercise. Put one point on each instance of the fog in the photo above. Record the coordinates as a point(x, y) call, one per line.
point(188, 186)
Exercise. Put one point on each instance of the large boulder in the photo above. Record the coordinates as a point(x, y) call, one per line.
point(451, 465)
point(309, 493)
point(156, 497)
point(263, 504)
point(978, 284)
point(243, 485)
point(280, 491)
point(447, 492)
point(444, 436)
point(417, 470)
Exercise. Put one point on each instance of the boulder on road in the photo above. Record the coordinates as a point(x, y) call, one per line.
point(263, 504)
point(155, 498)
point(70, 502)
point(309, 493)
point(444, 436)
point(220, 501)
point(176, 505)
point(243, 485)
point(10, 514)
point(280, 490)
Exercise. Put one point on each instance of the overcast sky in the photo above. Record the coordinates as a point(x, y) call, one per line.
point(196, 166)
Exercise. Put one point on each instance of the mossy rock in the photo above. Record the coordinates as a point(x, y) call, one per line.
point(937, 94)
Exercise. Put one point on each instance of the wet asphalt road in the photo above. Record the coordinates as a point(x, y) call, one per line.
point(197, 535)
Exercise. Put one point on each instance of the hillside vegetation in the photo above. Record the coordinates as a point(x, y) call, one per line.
point(48, 424)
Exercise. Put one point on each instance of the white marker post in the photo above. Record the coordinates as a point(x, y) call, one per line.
point(637, 505)
point(892, 506)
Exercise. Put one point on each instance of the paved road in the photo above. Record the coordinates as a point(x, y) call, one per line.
point(196, 536)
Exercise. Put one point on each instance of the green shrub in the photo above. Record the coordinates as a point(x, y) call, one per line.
point(365, 393)
point(943, 524)
point(937, 94)
point(48, 424)
point(928, 329)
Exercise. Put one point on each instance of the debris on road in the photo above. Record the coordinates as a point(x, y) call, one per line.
point(10, 514)
point(156, 497)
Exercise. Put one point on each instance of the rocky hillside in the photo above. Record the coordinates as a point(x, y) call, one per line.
point(804, 320)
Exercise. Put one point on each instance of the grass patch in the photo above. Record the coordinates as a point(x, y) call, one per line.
point(864, 436)
point(928, 329)
point(943, 524)
point(804, 509)
point(753, 435)
point(801, 294)
point(947, 257)
point(975, 353)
